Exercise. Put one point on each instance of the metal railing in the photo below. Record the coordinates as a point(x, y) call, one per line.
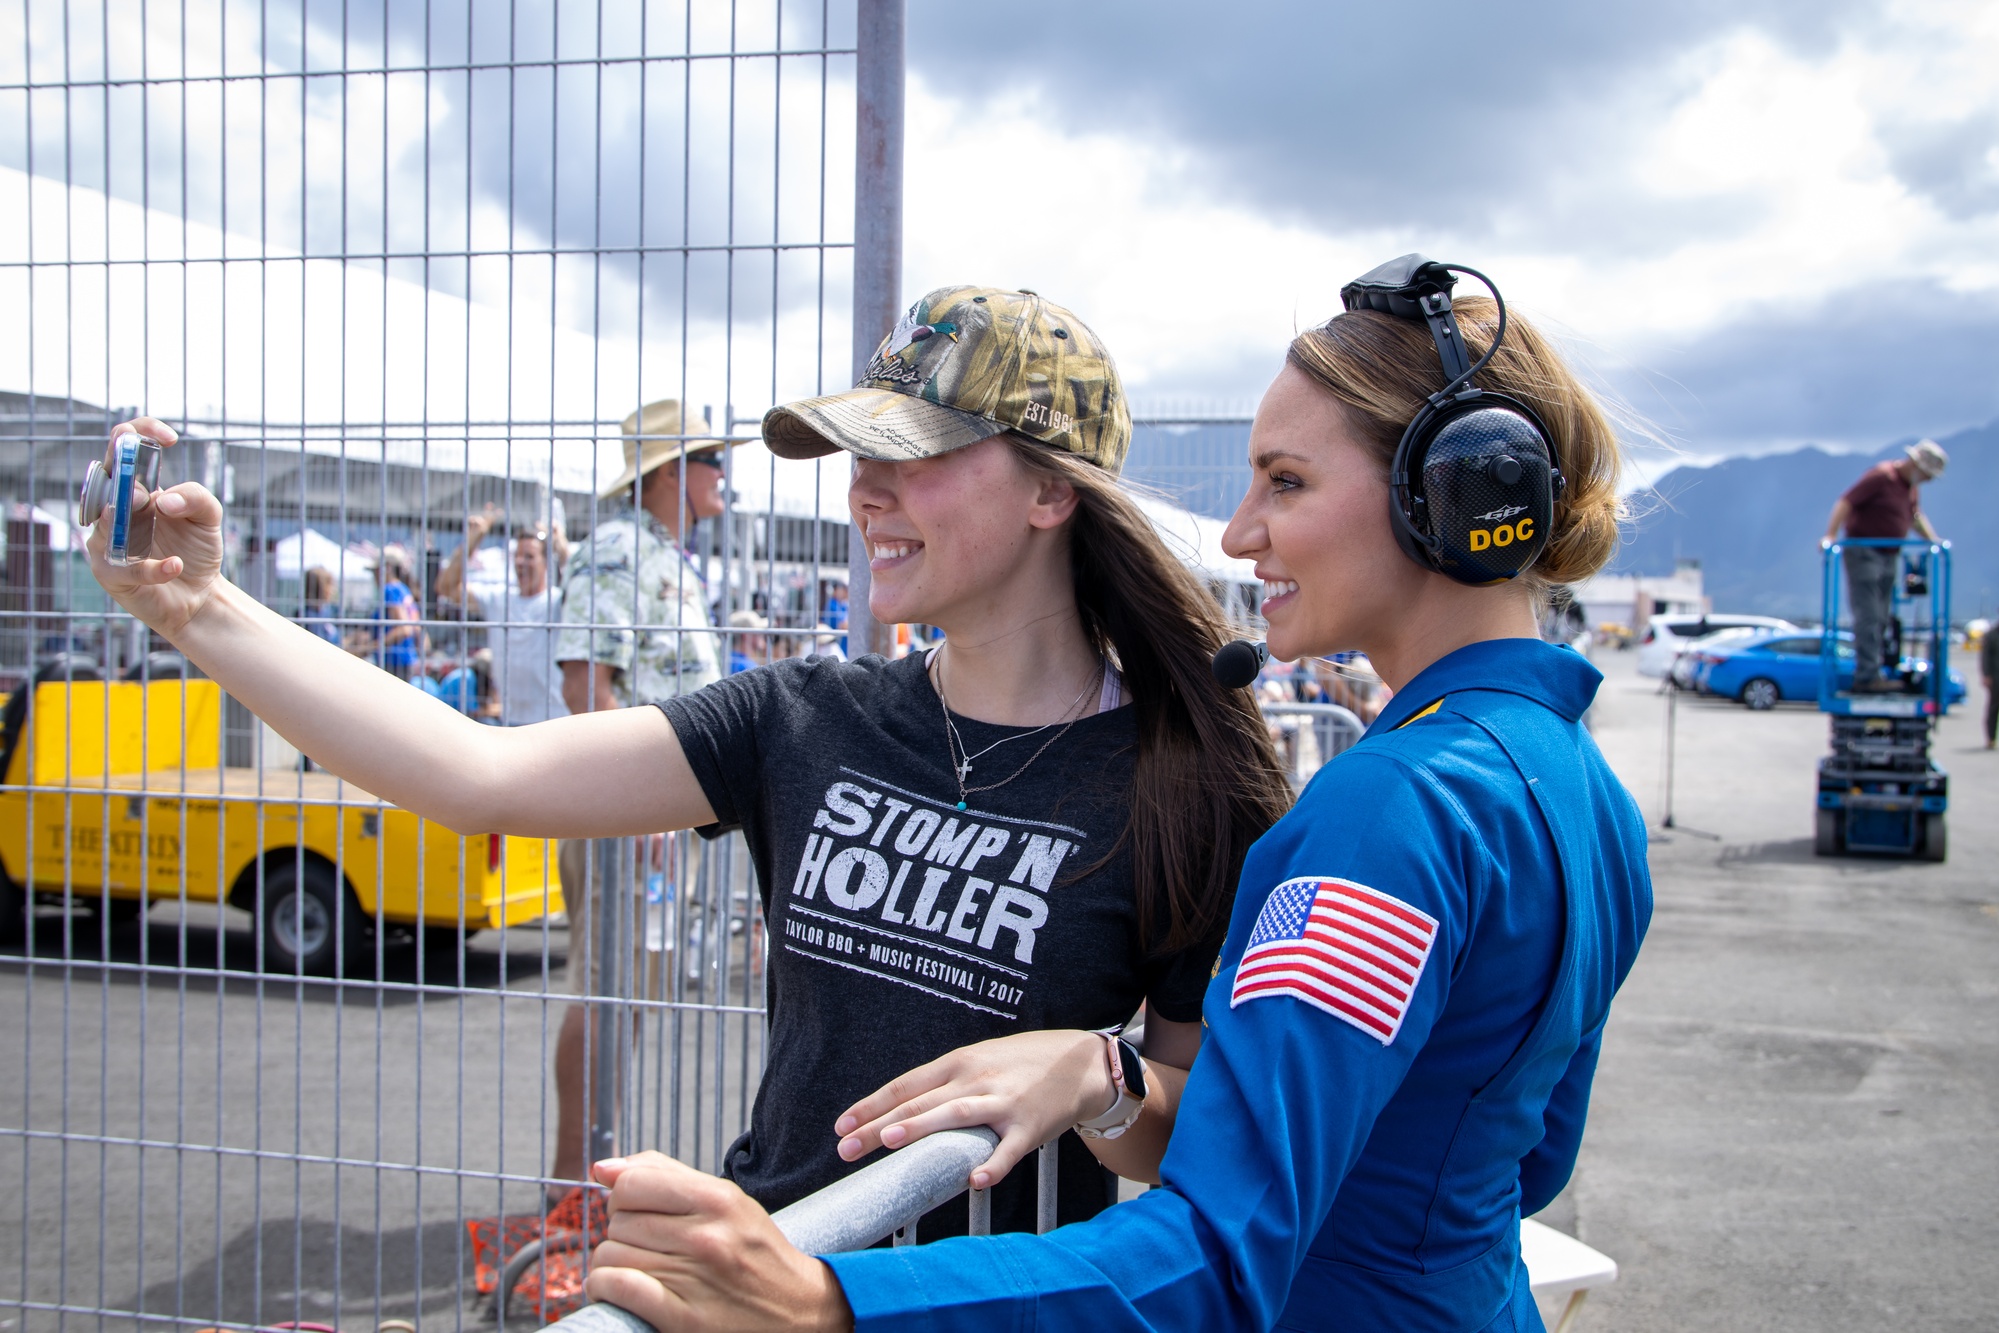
point(880, 1200)
point(1309, 735)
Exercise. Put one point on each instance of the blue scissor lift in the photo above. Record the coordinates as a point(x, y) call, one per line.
point(1879, 792)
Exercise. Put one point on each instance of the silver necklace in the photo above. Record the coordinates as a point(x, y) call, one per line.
point(965, 766)
point(955, 744)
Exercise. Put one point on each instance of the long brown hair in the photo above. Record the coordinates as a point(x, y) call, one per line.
point(1381, 368)
point(1207, 782)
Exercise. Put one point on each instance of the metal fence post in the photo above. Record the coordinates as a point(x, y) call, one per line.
point(878, 85)
point(1046, 1168)
point(611, 860)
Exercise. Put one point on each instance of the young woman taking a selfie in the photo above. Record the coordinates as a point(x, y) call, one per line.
point(975, 861)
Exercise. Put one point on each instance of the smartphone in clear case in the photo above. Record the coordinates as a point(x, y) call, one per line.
point(124, 481)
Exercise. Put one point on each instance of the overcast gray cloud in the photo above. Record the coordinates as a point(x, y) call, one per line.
point(1361, 115)
point(1877, 363)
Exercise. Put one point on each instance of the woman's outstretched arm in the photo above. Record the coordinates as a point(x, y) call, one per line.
point(602, 775)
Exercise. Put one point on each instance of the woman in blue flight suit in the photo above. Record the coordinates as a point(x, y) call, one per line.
point(1406, 1016)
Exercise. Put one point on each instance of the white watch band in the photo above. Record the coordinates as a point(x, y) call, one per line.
point(1123, 1112)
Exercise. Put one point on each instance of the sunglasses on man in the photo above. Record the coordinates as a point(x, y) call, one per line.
point(707, 458)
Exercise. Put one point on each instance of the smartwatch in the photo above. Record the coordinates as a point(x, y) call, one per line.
point(1128, 1077)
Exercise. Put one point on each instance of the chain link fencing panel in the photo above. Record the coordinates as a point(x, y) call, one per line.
point(277, 1051)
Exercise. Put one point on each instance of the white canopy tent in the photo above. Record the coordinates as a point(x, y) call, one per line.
point(1197, 540)
point(310, 548)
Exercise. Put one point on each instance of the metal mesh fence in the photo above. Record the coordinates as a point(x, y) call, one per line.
point(278, 1050)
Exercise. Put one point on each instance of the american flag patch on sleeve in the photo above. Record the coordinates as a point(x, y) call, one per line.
point(1339, 946)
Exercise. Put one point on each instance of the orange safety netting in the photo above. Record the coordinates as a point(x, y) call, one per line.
point(552, 1286)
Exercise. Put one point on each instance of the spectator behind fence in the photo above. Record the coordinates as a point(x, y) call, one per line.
point(1988, 669)
point(750, 646)
point(397, 645)
point(1042, 821)
point(833, 601)
point(322, 604)
point(634, 630)
point(523, 618)
point(469, 687)
point(1883, 503)
point(1348, 680)
point(824, 643)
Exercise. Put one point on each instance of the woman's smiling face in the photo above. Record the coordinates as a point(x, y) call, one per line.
point(1315, 521)
point(952, 534)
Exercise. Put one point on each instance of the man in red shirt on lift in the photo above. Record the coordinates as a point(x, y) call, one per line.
point(1881, 504)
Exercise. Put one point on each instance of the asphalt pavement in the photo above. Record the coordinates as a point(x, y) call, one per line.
point(1796, 1118)
point(218, 1148)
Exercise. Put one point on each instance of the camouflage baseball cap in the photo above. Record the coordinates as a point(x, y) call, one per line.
point(965, 364)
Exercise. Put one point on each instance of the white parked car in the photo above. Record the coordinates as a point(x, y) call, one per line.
point(1666, 637)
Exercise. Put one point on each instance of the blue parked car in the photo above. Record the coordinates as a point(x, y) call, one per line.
point(1766, 669)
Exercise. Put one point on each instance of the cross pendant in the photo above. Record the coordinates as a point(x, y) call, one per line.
point(964, 768)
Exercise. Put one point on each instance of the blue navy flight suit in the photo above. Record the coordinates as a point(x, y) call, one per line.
point(1351, 1155)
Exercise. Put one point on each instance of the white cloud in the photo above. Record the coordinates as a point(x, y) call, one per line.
point(1195, 294)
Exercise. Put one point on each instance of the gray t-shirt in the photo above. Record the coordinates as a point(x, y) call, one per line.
point(522, 638)
point(902, 927)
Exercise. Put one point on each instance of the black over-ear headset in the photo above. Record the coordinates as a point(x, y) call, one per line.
point(1473, 485)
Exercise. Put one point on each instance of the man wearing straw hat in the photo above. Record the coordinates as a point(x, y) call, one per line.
point(635, 628)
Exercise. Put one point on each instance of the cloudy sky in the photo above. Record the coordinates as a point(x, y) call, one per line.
point(1757, 224)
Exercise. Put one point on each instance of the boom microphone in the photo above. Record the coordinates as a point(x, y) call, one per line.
point(1237, 664)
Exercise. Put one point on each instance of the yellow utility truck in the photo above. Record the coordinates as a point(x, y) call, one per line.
point(115, 794)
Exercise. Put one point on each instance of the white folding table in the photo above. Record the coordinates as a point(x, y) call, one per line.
point(1559, 1265)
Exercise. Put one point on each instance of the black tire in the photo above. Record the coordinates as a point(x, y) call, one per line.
point(1935, 843)
point(1760, 694)
point(163, 665)
point(304, 917)
point(1826, 839)
point(122, 911)
point(14, 909)
point(444, 939)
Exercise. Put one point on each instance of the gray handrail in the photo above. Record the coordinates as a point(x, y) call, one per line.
point(858, 1210)
point(1343, 717)
point(601, 1318)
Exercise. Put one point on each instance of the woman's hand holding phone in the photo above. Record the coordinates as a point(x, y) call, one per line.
point(1027, 1088)
point(170, 588)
